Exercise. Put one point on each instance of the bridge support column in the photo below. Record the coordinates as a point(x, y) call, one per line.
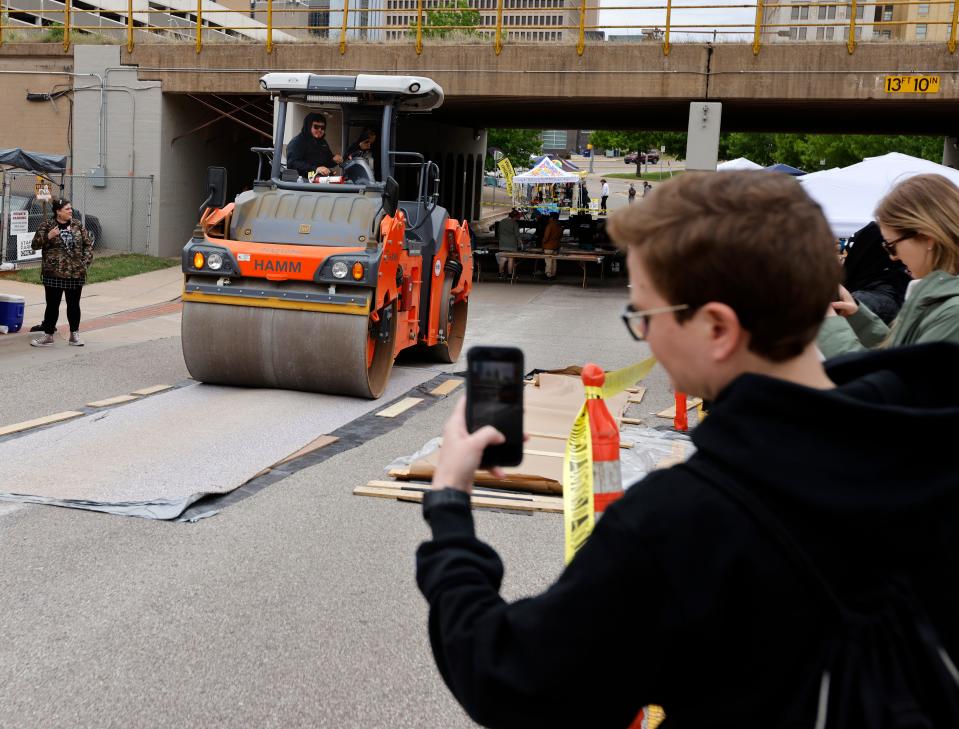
point(702, 141)
point(950, 152)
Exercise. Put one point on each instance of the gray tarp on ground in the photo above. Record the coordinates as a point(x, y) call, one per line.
point(154, 457)
point(33, 161)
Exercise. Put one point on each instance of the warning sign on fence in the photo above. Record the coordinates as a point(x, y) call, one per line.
point(19, 221)
point(24, 250)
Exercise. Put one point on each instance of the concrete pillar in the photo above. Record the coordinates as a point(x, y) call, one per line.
point(702, 141)
point(950, 152)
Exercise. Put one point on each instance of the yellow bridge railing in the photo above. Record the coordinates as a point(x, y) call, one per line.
point(577, 23)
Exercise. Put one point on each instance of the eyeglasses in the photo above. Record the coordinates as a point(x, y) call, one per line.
point(637, 321)
point(889, 246)
point(319, 126)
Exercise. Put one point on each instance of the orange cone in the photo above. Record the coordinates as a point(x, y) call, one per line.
point(604, 438)
point(680, 420)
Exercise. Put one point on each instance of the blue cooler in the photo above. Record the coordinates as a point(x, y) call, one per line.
point(11, 311)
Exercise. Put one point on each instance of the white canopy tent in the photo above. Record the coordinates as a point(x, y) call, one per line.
point(849, 195)
point(546, 172)
point(740, 163)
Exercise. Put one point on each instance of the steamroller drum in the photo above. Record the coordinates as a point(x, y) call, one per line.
point(286, 349)
point(452, 325)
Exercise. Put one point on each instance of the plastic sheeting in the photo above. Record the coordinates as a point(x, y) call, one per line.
point(33, 161)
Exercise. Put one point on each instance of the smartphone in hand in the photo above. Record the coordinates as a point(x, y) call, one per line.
point(494, 396)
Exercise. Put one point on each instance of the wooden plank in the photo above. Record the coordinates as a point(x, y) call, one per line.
point(631, 421)
point(322, 441)
point(151, 390)
point(400, 407)
point(670, 412)
point(549, 454)
point(445, 388)
point(637, 395)
point(481, 490)
point(111, 401)
point(518, 502)
point(37, 422)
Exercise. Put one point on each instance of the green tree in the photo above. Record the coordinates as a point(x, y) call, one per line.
point(452, 16)
point(517, 144)
point(675, 142)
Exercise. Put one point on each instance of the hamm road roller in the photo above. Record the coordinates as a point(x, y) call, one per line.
point(317, 282)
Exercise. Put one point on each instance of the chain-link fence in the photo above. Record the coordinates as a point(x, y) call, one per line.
point(116, 211)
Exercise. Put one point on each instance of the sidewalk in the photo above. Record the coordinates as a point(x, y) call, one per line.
point(115, 313)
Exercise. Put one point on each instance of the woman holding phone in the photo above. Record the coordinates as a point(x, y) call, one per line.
point(67, 253)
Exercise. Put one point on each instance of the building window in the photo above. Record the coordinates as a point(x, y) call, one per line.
point(793, 33)
point(822, 13)
point(923, 10)
point(859, 12)
point(820, 33)
point(802, 34)
point(887, 13)
point(830, 33)
point(555, 139)
point(794, 14)
point(831, 12)
point(921, 32)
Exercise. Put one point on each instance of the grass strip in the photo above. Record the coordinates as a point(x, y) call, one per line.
point(109, 268)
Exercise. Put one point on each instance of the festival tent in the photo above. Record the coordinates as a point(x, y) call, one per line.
point(564, 164)
point(788, 169)
point(740, 163)
point(849, 195)
point(545, 173)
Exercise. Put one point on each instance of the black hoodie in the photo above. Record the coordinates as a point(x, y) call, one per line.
point(678, 599)
point(305, 153)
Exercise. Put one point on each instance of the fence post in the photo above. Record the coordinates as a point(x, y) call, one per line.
point(581, 44)
point(851, 40)
point(669, 12)
point(346, 15)
point(199, 25)
point(952, 35)
point(269, 26)
point(419, 27)
point(757, 32)
point(66, 26)
point(129, 26)
point(499, 26)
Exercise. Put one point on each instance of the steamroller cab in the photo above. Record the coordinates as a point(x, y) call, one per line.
point(318, 286)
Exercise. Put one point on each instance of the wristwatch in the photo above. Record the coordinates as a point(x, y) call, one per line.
point(447, 495)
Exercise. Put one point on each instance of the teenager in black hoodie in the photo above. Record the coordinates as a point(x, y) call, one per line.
point(678, 598)
point(309, 151)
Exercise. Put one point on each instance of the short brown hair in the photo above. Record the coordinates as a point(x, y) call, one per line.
point(927, 205)
point(754, 241)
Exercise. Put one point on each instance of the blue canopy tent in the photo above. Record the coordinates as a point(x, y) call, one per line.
point(780, 167)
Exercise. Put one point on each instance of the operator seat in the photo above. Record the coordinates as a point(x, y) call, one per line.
point(358, 172)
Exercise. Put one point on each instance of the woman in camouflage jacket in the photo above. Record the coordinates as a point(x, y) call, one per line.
point(67, 253)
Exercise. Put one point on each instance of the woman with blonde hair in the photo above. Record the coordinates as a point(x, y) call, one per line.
point(919, 222)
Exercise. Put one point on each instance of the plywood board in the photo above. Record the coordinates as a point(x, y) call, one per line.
point(636, 394)
point(670, 412)
point(111, 401)
point(151, 390)
point(37, 422)
point(400, 407)
point(445, 388)
point(483, 498)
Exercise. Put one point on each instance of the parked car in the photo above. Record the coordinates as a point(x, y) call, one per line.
point(635, 158)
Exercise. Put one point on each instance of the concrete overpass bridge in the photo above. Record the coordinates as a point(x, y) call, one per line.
point(166, 111)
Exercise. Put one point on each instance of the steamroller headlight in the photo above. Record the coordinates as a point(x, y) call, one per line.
point(198, 260)
point(340, 269)
point(214, 261)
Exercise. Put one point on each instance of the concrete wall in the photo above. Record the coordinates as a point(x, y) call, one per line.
point(126, 144)
point(39, 126)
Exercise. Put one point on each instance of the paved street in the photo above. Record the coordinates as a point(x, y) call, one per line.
point(295, 607)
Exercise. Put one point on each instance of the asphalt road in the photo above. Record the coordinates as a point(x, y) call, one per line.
point(296, 607)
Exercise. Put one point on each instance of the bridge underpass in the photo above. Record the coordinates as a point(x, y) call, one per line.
point(790, 88)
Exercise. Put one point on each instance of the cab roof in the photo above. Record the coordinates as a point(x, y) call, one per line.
point(406, 93)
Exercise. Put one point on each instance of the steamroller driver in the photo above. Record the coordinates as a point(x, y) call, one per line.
point(308, 152)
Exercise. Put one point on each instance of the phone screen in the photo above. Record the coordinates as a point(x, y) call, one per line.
point(495, 397)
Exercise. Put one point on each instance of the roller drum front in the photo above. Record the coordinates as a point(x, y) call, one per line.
point(285, 348)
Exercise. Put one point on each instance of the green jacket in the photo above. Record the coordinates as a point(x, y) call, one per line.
point(58, 260)
point(930, 314)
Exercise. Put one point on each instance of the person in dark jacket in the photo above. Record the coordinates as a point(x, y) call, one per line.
point(309, 152)
point(67, 253)
point(679, 598)
point(872, 278)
